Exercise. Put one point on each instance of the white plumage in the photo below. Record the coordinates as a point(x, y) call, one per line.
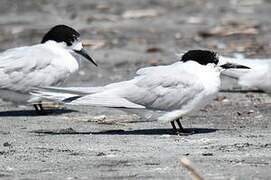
point(258, 76)
point(163, 88)
point(177, 89)
point(45, 64)
point(34, 66)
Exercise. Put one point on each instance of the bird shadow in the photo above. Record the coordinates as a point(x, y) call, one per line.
point(168, 131)
point(70, 131)
point(18, 113)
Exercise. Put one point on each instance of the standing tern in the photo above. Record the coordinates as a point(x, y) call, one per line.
point(178, 89)
point(45, 64)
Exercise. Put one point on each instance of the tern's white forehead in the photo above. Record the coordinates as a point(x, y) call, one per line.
point(77, 46)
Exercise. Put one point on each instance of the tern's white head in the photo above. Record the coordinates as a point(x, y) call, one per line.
point(205, 57)
point(69, 36)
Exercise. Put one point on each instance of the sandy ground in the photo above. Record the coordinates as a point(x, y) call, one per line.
point(232, 139)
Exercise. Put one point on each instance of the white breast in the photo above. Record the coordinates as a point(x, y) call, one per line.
point(65, 59)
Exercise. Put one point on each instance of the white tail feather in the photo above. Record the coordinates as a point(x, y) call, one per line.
point(73, 90)
point(38, 95)
point(105, 101)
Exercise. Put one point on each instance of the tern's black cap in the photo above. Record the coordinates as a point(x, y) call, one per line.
point(61, 33)
point(203, 57)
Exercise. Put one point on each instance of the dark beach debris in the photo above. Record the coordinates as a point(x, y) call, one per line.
point(7, 144)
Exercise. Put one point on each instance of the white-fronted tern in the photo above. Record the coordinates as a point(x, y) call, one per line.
point(178, 89)
point(45, 64)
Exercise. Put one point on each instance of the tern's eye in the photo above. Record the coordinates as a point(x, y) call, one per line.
point(74, 37)
point(71, 40)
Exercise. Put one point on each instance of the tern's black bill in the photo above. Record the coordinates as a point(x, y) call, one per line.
point(234, 66)
point(84, 53)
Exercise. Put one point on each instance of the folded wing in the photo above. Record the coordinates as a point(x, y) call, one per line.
point(167, 89)
point(26, 67)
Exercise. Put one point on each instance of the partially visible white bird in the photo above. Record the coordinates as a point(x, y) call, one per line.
point(45, 64)
point(178, 89)
point(258, 76)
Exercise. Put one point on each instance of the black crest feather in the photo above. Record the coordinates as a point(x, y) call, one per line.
point(61, 33)
point(203, 57)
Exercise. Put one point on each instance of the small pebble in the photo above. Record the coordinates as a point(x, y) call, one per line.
point(101, 154)
point(7, 144)
point(207, 154)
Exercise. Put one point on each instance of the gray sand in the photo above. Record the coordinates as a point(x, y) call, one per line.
point(232, 139)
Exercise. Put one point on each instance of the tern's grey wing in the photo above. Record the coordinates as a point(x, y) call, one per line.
point(171, 88)
point(27, 67)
